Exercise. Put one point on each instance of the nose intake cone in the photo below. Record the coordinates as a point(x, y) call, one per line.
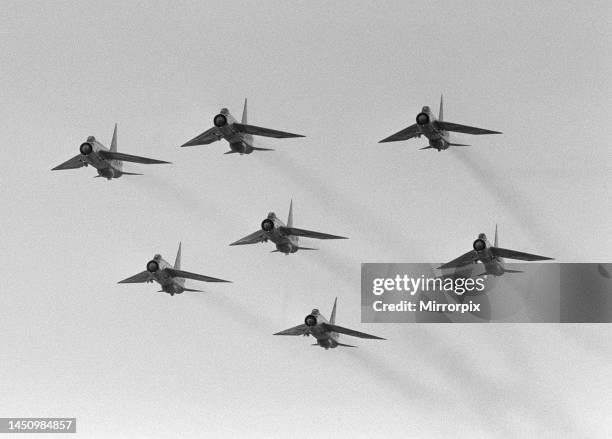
point(152, 266)
point(220, 120)
point(86, 148)
point(422, 119)
point(479, 245)
point(267, 225)
point(310, 320)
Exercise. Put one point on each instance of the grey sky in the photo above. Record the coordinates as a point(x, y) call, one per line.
point(130, 362)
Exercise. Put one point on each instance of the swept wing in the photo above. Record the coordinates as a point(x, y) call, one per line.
point(405, 134)
point(462, 260)
point(308, 233)
point(296, 330)
point(209, 136)
point(513, 254)
point(341, 330)
point(73, 163)
point(259, 131)
point(253, 238)
point(143, 276)
point(114, 155)
point(187, 275)
point(455, 127)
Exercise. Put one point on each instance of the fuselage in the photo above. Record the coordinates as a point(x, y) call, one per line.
point(325, 339)
point(238, 142)
point(438, 139)
point(169, 284)
point(284, 243)
point(89, 156)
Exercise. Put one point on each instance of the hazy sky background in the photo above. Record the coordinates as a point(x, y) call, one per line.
point(130, 362)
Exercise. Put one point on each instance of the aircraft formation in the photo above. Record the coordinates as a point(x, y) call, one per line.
point(239, 135)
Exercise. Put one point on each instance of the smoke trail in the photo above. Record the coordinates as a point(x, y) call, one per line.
point(514, 202)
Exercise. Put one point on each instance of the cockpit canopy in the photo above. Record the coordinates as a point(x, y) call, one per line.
point(91, 139)
point(426, 109)
point(157, 257)
point(271, 215)
point(482, 236)
point(315, 312)
point(224, 111)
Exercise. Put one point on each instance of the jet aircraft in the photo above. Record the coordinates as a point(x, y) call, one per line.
point(108, 162)
point(284, 236)
point(326, 332)
point(238, 135)
point(436, 130)
point(491, 257)
point(170, 277)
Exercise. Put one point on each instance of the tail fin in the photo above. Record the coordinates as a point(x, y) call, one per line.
point(441, 114)
point(177, 261)
point(332, 319)
point(290, 217)
point(244, 112)
point(113, 145)
point(496, 241)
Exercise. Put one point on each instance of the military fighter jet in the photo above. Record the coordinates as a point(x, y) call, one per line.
point(284, 236)
point(171, 278)
point(491, 257)
point(107, 162)
point(436, 130)
point(325, 332)
point(239, 135)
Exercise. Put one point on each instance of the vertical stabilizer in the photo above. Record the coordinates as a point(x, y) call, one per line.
point(290, 217)
point(332, 319)
point(177, 261)
point(495, 242)
point(113, 145)
point(244, 112)
point(441, 115)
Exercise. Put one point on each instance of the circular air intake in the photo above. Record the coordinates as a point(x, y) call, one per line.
point(422, 119)
point(267, 225)
point(479, 245)
point(86, 148)
point(152, 266)
point(220, 120)
point(310, 320)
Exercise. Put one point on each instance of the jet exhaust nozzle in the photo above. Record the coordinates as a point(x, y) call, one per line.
point(152, 266)
point(479, 245)
point(422, 119)
point(220, 120)
point(86, 148)
point(267, 225)
point(310, 320)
